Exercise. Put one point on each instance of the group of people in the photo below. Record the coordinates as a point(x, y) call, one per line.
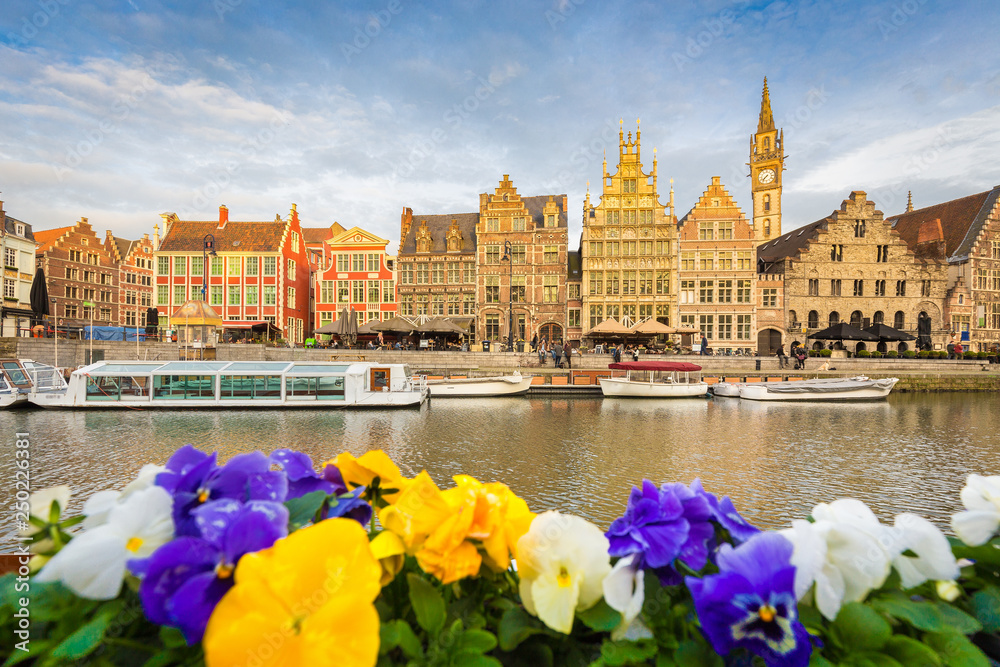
point(560, 354)
point(798, 353)
point(627, 351)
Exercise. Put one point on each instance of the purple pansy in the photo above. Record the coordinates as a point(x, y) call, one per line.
point(185, 578)
point(750, 603)
point(725, 514)
point(350, 505)
point(302, 477)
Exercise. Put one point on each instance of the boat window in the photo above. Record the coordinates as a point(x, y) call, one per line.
point(108, 388)
point(325, 388)
point(183, 387)
point(257, 367)
point(380, 379)
point(318, 368)
point(263, 387)
point(188, 366)
point(15, 373)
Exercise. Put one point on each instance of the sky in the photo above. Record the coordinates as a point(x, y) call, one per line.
point(120, 110)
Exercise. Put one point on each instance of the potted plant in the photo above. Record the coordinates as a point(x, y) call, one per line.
point(876, 354)
point(909, 354)
point(892, 354)
point(825, 353)
point(863, 354)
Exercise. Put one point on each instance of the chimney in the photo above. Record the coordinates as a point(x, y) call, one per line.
point(405, 221)
point(295, 215)
point(223, 216)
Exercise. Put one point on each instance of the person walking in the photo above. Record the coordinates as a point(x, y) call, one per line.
point(534, 343)
point(569, 355)
point(557, 354)
point(782, 357)
point(704, 346)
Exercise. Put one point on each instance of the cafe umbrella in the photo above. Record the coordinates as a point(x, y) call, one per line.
point(843, 331)
point(888, 334)
point(39, 298)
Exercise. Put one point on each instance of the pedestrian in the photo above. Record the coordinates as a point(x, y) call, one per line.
point(617, 355)
point(704, 345)
point(782, 357)
point(541, 353)
point(800, 356)
point(534, 343)
point(951, 350)
point(958, 350)
point(552, 351)
point(569, 355)
point(557, 354)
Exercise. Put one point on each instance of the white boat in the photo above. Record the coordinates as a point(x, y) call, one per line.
point(502, 385)
point(859, 388)
point(18, 377)
point(727, 389)
point(236, 384)
point(655, 379)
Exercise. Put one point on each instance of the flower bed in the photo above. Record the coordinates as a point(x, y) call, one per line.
point(267, 560)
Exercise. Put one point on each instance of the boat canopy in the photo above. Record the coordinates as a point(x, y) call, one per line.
point(679, 366)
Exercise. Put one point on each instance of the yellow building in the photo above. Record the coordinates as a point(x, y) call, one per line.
point(629, 245)
point(767, 161)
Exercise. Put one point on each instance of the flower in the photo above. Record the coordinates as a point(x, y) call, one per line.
point(93, 564)
point(99, 505)
point(46, 506)
point(364, 470)
point(302, 477)
point(390, 552)
point(725, 514)
point(949, 591)
point(306, 600)
point(981, 498)
point(562, 561)
point(624, 592)
point(933, 556)
point(750, 603)
point(185, 578)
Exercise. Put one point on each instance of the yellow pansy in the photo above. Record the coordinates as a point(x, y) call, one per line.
point(390, 551)
point(305, 599)
point(417, 512)
point(450, 566)
point(363, 470)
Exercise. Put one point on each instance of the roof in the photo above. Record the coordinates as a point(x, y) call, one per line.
point(10, 226)
point(46, 238)
point(438, 226)
point(123, 246)
point(792, 243)
point(961, 221)
point(536, 205)
point(189, 235)
point(681, 366)
point(574, 265)
point(316, 235)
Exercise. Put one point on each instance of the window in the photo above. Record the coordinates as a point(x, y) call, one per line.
point(492, 254)
point(628, 282)
point(813, 321)
point(573, 319)
point(706, 291)
point(767, 203)
point(517, 289)
point(767, 227)
point(645, 248)
point(628, 217)
point(271, 295)
point(291, 269)
point(925, 288)
point(743, 327)
point(357, 262)
point(900, 288)
point(628, 247)
point(687, 261)
point(492, 289)
point(725, 261)
point(814, 287)
point(706, 231)
point(69, 310)
point(613, 217)
point(216, 266)
point(197, 266)
point(162, 265)
point(373, 291)
point(234, 295)
point(596, 248)
point(899, 320)
point(252, 266)
point(596, 282)
point(687, 291)
point(769, 297)
point(517, 224)
point(857, 319)
point(645, 311)
point(343, 262)
point(468, 304)
point(611, 283)
point(613, 248)
point(106, 279)
point(71, 274)
point(10, 258)
point(662, 282)
point(373, 261)
point(550, 289)
point(596, 315)
point(706, 262)
point(859, 229)
point(879, 288)
point(518, 254)
point(550, 221)
point(550, 254)
point(705, 324)
point(646, 217)
point(834, 318)
point(572, 291)
point(612, 311)
point(295, 241)
point(437, 304)
point(628, 185)
point(859, 288)
point(388, 292)
point(726, 230)
point(406, 304)
point(234, 265)
point(837, 253)
point(406, 274)
point(162, 295)
point(882, 253)
point(327, 291)
point(422, 274)
point(437, 273)
point(725, 291)
point(270, 266)
point(179, 294)
point(252, 295)
point(646, 283)
point(878, 317)
point(725, 327)
point(493, 224)
point(744, 260)
point(835, 287)
point(492, 326)
point(469, 272)
point(215, 294)
point(358, 291)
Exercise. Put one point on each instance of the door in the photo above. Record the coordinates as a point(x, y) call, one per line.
point(551, 332)
point(768, 341)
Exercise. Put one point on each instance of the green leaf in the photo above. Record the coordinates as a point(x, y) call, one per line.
point(988, 553)
point(955, 618)
point(172, 637)
point(620, 653)
point(920, 615)
point(301, 510)
point(600, 617)
point(474, 659)
point(87, 637)
point(859, 628)
point(910, 652)
point(692, 653)
point(36, 647)
point(516, 626)
point(985, 605)
point(476, 640)
point(428, 605)
point(955, 649)
point(868, 659)
point(816, 660)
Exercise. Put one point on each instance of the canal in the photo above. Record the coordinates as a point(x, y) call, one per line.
point(580, 455)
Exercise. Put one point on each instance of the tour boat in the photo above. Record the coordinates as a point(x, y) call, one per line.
point(859, 388)
point(655, 379)
point(500, 385)
point(236, 384)
point(20, 376)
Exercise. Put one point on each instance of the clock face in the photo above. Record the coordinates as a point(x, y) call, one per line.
point(765, 175)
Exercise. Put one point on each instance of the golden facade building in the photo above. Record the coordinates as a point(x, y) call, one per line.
point(629, 245)
point(522, 260)
point(718, 270)
point(767, 161)
point(853, 266)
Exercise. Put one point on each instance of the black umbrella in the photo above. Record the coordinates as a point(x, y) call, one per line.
point(39, 297)
point(842, 331)
point(152, 320)
point(887, 333)
point(924, 332)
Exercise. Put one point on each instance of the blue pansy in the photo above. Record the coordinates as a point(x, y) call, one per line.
point(302, 477)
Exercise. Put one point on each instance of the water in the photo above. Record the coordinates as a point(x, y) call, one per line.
point(580, 455)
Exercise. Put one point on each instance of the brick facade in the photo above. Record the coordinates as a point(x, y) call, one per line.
point(78, 269)
point(134, 260)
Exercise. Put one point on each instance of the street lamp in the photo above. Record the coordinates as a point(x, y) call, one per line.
point(509, 257)
point(208, 248)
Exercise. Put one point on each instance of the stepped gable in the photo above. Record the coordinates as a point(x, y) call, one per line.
point(536, 205)
point(47, 238)
point(960, 222)
point(438, 226)
point(188, 236)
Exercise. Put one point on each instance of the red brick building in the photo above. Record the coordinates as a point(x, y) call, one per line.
point(355, 272)
point(259, 270)
point(78, 269)
point(134, 260)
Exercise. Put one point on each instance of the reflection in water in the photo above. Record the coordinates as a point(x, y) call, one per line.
point(579, 455)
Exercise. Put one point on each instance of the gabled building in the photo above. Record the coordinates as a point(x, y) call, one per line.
point(355, 273)
point(134, 261)
point(574, 297)
point(78, 271)
point(967, 231)
point(17, 247)
point(629, 245)
point(718, 270)
point(256, 270)
point(521, 246)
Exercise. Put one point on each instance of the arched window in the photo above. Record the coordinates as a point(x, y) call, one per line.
point(856, 318)
point(834, 318)
point(813, 319)
point(767, 227)
point(767, 202)
point(793, 318)
point(899, 321)
point(767, 144)
point(878, 317)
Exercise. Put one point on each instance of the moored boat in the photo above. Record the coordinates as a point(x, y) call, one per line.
point(859, 388)
point(236, 384)
point(502, 385)
point(655, 379)
point(726, 389)
point(18, 377)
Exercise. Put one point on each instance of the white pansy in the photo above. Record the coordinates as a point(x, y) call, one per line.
point(93, 564)
point(933, 560)
point(562, 562)
point(981, 497)
point(624, 592)
point(98, 506)
point(41, 508)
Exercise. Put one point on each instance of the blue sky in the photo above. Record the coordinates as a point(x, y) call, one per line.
point(121, 110)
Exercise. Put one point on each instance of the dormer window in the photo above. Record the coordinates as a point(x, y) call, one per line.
point(454, 238)
point(423, 237)
point(20, 229)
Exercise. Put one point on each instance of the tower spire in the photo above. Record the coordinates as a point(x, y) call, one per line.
point(766, 122)
point(909, 201)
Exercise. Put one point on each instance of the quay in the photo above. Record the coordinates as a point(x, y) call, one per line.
point(915, 375)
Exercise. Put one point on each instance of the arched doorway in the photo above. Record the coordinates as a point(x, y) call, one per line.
point(768, 341)
point(550, 331)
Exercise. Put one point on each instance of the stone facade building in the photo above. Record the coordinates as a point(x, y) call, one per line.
point(521, 246)
point(718, 271)
point(853, 266)
point(17, 246)
point(134, 260)
point(629, 245)
point(355, 273)
point(78, 271)
point(969, 229)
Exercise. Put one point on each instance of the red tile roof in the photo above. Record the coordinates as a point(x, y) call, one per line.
point(189, 235)
point(958, 218)
point(316, 235)
point(47, 237)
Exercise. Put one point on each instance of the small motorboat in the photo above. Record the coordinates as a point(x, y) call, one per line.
point(655, 379)
point(19, 377)
point(726, 389)
point(859, 388)
point(502, 385)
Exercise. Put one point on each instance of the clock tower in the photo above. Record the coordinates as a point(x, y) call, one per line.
point(767, 160)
